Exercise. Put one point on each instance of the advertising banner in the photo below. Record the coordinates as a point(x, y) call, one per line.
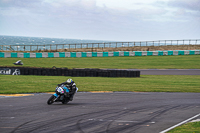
point(9, 71)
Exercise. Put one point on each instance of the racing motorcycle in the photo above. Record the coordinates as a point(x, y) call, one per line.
point(61, 94)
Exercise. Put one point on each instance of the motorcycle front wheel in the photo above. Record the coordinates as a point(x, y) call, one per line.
point(51, 100)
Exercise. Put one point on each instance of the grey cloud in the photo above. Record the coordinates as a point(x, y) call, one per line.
point(186, 4)
point(186, 10)
point(74, 9)
point(83, 19)
point(20, 3)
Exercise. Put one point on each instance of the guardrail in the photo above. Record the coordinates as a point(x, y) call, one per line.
point(55, 47)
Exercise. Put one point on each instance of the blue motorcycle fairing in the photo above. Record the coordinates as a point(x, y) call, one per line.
point(67, 90)
point(56, 95)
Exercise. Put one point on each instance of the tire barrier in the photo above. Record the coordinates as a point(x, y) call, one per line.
point(97, 54)
point(87, 72)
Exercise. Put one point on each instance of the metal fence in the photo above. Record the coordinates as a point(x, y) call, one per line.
point(97, 45)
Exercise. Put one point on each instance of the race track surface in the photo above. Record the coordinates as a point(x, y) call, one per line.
point(118, 112)
point(168, 71)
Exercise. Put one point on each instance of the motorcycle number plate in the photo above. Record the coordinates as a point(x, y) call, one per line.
point(60, 90)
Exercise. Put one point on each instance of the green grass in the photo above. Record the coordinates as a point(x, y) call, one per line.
point(154, 83)
point(146, 83)
point(142, 62)
point(193, 127)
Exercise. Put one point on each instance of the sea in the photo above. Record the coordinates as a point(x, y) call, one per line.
point(17, 43)
point(21, 40)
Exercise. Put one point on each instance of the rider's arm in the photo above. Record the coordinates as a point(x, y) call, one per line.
point(61, 84)
point(64, 83)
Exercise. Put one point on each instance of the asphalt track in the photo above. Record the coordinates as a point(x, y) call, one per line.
point(168, 71)
point(118, 112)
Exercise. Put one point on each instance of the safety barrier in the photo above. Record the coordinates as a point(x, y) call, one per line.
point(103, 45)
point(97, 54)
point(87, 72)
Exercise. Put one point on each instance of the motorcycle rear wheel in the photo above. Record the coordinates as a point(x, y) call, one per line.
point(65, 101)
point(51, 100)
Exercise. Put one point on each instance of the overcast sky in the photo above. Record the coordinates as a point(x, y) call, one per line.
point(113, 20)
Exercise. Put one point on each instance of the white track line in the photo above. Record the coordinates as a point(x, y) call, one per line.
point(180, 123)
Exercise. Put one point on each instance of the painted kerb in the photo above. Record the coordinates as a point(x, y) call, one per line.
point(97, 54)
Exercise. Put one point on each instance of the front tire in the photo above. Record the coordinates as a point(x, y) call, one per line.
point(51, 100)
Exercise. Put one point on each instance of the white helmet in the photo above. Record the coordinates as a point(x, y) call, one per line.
point(69, 81)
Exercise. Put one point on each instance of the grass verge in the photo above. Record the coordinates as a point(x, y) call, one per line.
point(193, 127)
point(146, 83)
point(135, 62)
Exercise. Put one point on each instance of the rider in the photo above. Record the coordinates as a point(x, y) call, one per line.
point(70, 84)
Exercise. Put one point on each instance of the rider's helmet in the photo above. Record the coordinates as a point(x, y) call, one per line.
point(69, 81)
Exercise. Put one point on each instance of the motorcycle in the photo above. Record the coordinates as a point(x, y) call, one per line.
point(62, 94)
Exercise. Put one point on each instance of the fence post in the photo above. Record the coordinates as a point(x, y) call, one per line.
point(183, 42)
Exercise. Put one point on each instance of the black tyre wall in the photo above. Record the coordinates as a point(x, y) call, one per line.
point(87, 72)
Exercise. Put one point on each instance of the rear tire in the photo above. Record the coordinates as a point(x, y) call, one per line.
point(51, 100)
point(65, 101)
